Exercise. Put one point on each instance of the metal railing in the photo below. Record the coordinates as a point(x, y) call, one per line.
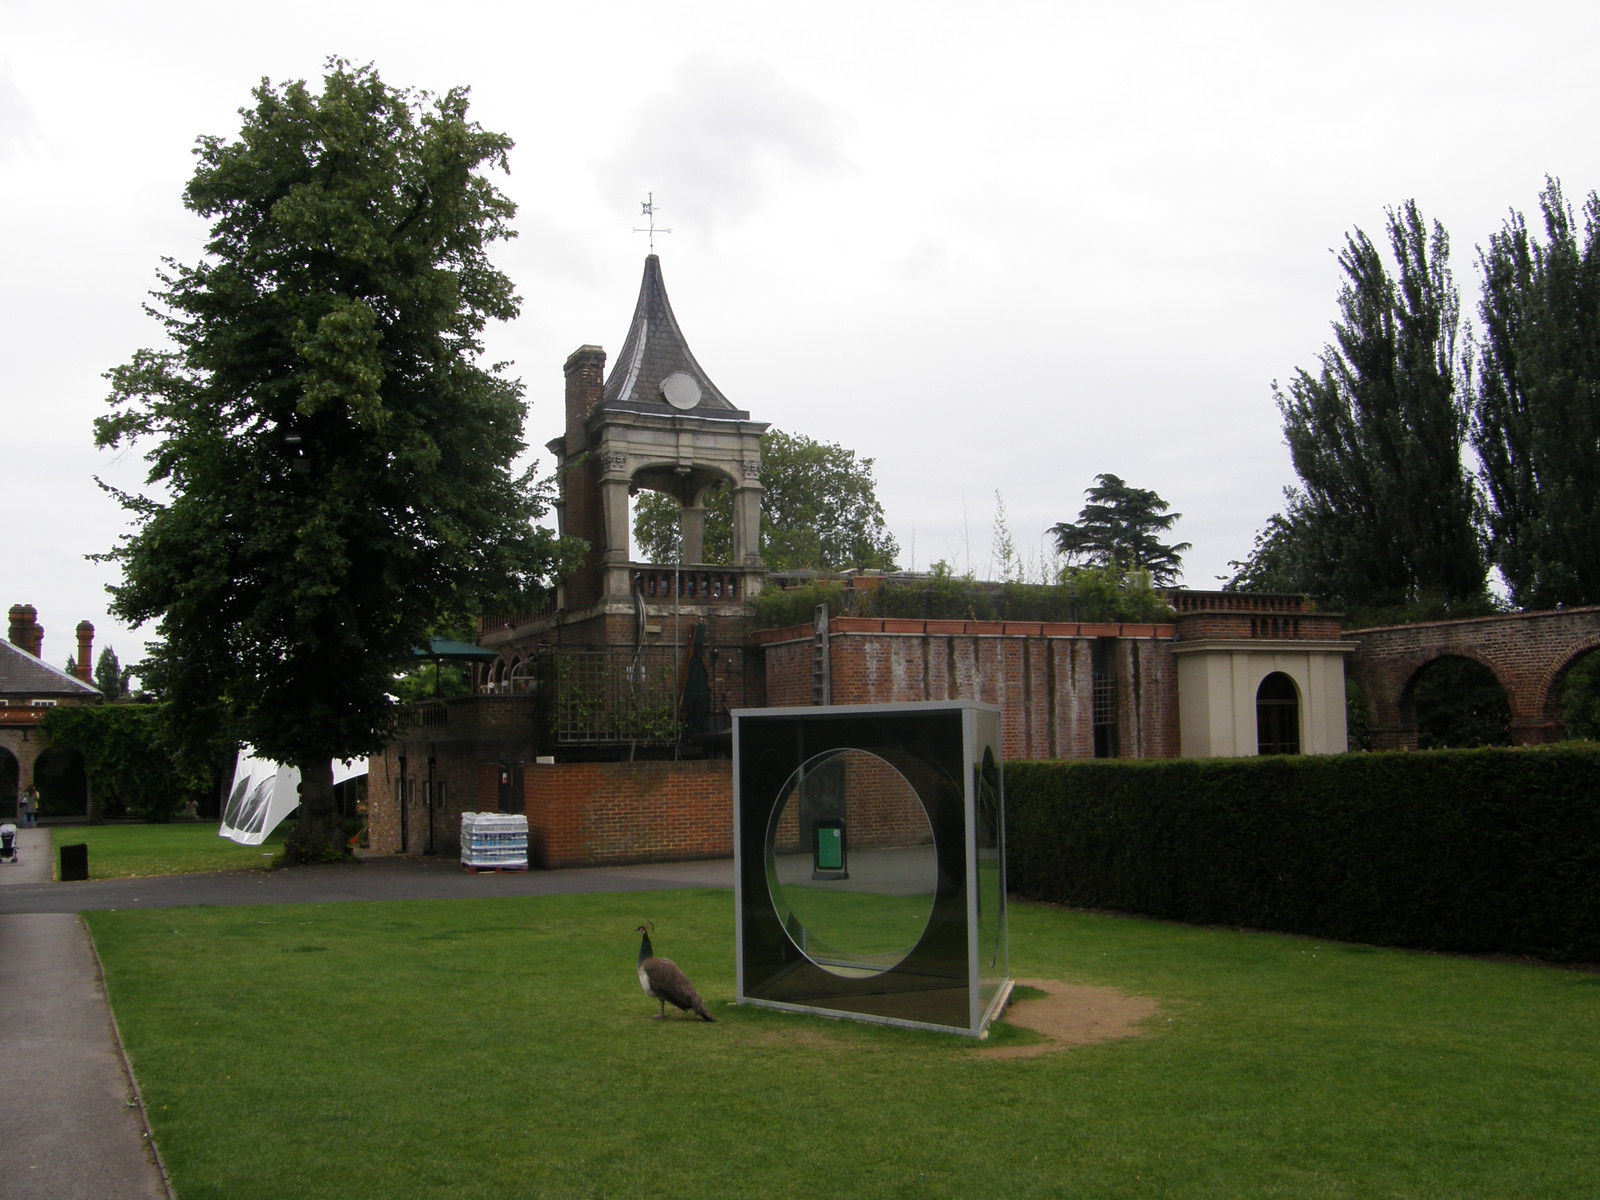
point(607, 697)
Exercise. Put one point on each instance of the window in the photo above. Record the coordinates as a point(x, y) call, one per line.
point(1105, 698)
point(1277, 715)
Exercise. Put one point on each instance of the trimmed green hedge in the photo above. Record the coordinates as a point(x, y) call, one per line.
point(1475, 851)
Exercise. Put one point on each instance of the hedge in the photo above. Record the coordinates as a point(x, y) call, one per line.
point(1474, 851)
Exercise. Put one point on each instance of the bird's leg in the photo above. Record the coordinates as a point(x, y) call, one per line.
point(662, 1015)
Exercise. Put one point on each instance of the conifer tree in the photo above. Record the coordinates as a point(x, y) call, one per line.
point(1117, 530)
point(1536, 403)
point(1386, 516)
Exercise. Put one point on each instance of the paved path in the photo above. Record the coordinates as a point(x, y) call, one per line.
point(70, 1116)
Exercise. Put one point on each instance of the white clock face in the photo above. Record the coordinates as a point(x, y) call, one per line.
point(680, 390)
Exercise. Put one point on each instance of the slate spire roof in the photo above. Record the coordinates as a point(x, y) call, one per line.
point(22, 676)
point(653, 371)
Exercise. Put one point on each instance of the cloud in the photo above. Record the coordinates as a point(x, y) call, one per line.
point(716, 144)
point(19, 128)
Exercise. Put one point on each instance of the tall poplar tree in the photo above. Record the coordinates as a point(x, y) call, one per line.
point(1387, 513)
point(1536, 403)
point(330, 458)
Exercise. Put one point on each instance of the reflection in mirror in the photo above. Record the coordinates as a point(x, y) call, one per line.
point(851, 863)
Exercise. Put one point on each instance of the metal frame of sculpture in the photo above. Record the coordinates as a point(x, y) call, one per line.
point(869, 862)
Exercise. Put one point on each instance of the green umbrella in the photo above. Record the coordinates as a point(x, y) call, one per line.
point(440, 649)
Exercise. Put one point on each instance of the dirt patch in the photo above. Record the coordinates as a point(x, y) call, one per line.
point(1073, 1015)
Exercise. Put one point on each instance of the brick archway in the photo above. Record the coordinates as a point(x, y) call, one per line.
point(10, 784)
point(1528, 653)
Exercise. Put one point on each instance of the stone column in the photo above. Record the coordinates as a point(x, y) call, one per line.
point(747, 525)
point(612, 466)
point(692, 533)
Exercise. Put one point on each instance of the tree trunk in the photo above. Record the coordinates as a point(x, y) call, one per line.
point(317, 836)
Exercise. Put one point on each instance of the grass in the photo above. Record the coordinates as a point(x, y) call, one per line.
point(178, 848)
point(501, 1047)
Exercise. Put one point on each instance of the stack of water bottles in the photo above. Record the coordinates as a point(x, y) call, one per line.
point(494, 841)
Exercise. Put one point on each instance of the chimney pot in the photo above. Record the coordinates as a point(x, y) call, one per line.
point(26, 632)
point(85, 650)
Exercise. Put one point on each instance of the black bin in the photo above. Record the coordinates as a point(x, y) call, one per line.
point(74, 862)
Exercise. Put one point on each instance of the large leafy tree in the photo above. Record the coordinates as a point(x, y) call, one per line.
point(819, 510)
point(330, 458)
point(1386, 515)
point(1536, 403)
point(1117, 530)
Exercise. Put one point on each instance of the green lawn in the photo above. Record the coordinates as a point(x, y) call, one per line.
point(178, 848)
point(502, 1048)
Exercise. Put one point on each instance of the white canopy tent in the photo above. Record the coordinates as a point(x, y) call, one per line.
point(264, 793)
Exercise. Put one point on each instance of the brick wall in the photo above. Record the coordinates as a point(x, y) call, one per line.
point(450, 761)
point(598, 813)
point(788, 669)
point(1529, 654)
point(1040, 676)
point(883, 813)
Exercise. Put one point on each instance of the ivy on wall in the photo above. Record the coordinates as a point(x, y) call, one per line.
point(129, 769)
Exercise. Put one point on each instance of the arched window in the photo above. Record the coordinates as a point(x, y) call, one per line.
point(1277, 715)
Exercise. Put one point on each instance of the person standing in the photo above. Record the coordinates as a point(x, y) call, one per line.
point(28, 807)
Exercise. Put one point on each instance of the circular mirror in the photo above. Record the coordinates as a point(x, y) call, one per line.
point(851, 863)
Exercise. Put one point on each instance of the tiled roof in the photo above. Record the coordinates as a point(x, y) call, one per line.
point(654, 352)
point(24, 677)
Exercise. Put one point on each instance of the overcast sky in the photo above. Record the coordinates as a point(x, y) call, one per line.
point(997, 248)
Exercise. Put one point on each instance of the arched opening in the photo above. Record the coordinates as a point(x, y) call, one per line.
point(1458, 702)
point(10, 785)
point(1277, 715)
point(1577, 698)
point(665, 506)
point(63, 785)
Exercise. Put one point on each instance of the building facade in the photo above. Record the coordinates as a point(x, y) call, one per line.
point(604, 715)
point(29, 688)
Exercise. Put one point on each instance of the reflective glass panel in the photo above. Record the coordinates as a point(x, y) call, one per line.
point(851, 864)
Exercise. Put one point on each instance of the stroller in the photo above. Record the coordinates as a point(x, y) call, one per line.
point(8, 842)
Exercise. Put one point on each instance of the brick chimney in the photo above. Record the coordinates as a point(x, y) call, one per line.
point(26, 632)
point(586, 376)
point(85, 650)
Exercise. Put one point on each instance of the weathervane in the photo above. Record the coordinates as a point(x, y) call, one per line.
point(649, 207)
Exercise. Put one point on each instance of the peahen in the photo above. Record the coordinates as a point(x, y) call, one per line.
point(663, 982)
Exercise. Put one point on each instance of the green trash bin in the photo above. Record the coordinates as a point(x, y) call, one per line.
point(74, 862)
point(828, 850)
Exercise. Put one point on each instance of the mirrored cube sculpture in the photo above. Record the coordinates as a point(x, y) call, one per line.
point(869, 863)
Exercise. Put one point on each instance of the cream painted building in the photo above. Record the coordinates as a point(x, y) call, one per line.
point(1258, 675)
